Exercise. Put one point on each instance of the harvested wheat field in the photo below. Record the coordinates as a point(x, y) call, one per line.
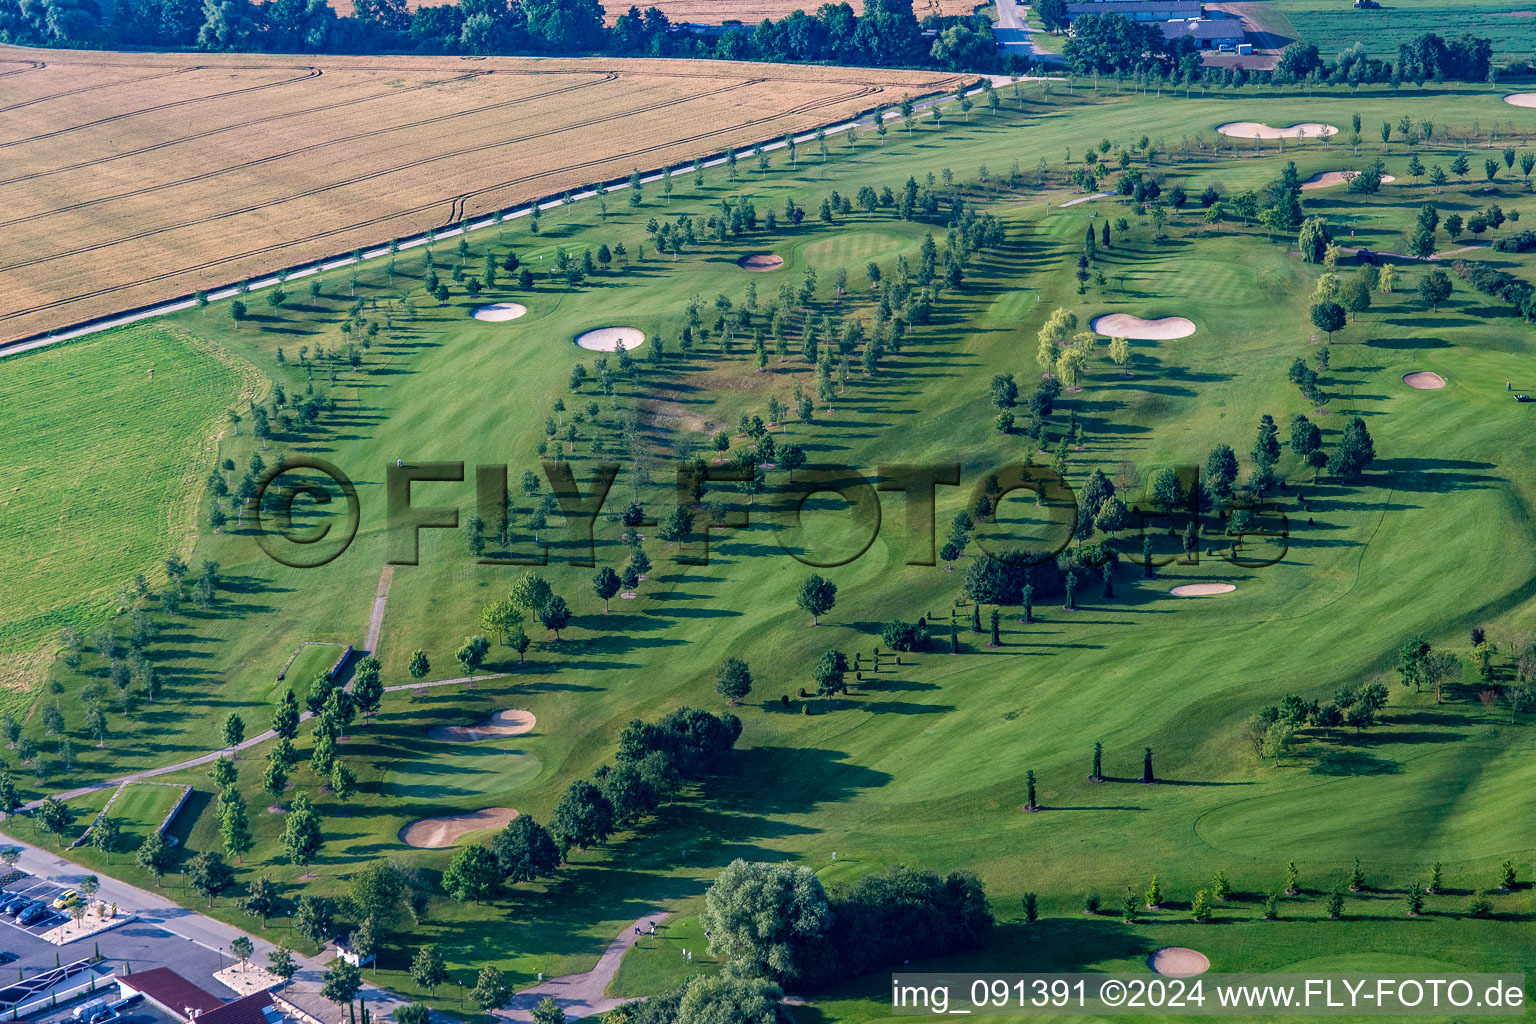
point(130, 179)
point(715, 12)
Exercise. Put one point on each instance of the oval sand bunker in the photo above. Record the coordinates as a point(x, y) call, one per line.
point(437, 833)
point(1178, 962)
point(497, 312)
point(607, 339)
point(1521, 99)
point(1258, 130)
point(1328, 179)
point(502, 723)
point(1424, 380)
point(1123, 325)
point(760, 261)
point(1202, 589)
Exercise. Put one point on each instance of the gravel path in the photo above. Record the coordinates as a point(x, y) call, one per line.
point(582, 995)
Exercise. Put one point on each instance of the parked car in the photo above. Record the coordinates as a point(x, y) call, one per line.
point(14, 905)
point(33, 914)
point(65, 898)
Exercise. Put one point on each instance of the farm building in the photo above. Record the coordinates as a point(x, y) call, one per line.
point(1139, 10)
point(1208, 34)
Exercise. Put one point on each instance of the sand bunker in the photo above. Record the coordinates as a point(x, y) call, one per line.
point(1328, 179)
point(1423, 379)
point(1521, 99)
point(607, 339)
point(1123, 325)
point(761, 261)
point(1256, 130)
point(1178, 962)
point(496, 312)
point(1202, 590)
point(436, 833)
point(502, 723)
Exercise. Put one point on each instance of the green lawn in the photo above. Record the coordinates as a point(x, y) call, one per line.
point(924, 764)
point(308, 663)
point(112, 481)
point(1337, 26)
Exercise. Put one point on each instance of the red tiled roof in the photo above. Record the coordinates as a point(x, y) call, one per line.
point(175, 993)
point(245, 1010)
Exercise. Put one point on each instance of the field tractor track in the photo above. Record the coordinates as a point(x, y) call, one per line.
point(407, 126)
point(455, 205)
point(311, 73)
point(67, 93)
point(359, 179)
point(456, 210)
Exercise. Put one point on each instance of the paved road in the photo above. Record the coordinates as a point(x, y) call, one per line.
point(1014, 34)
point(376, 617)
point(583, 995)
point(155, 909)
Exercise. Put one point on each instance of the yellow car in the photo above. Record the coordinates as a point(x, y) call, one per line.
point(65, 898)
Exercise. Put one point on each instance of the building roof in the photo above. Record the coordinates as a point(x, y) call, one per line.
point(251, 1009)
point(1163, 9)
point(170, 990)
point(1246, 61)
point(1204, 28)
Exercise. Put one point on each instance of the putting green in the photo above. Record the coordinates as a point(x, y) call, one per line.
point(451, 772)
point(847, 248)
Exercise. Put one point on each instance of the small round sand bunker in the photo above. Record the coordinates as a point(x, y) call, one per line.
point(502, 723)
point(498, 312)
point(1202, 589)
point(1424, 380)
point(1178, 962)
point(1521, 99)
point(437, 833)
point(1259, 130)
point(1123, 325)
point(760, 261)
point(608, 339)
point(1328, 179)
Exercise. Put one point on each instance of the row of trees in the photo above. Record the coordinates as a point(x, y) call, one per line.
point(777, 922)
point(1133, 902)
point(887, 33)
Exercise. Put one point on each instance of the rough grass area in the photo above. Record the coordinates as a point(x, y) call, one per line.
point(107, 446)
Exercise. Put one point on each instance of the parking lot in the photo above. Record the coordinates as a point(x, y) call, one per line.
point(40, 893)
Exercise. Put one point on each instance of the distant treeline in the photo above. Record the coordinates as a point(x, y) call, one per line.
point(887, 34)
point(1113, 44)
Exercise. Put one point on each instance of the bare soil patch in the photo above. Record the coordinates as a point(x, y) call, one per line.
point(1424, 380)
point(1123, 325)
point(497, 312)
point(510, 722)
point(1259, 130)
point(1328, 179)
point(1202, 589)
point(437, 833)
point(760, 261)
point(608, 339)
point(1179, 962)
